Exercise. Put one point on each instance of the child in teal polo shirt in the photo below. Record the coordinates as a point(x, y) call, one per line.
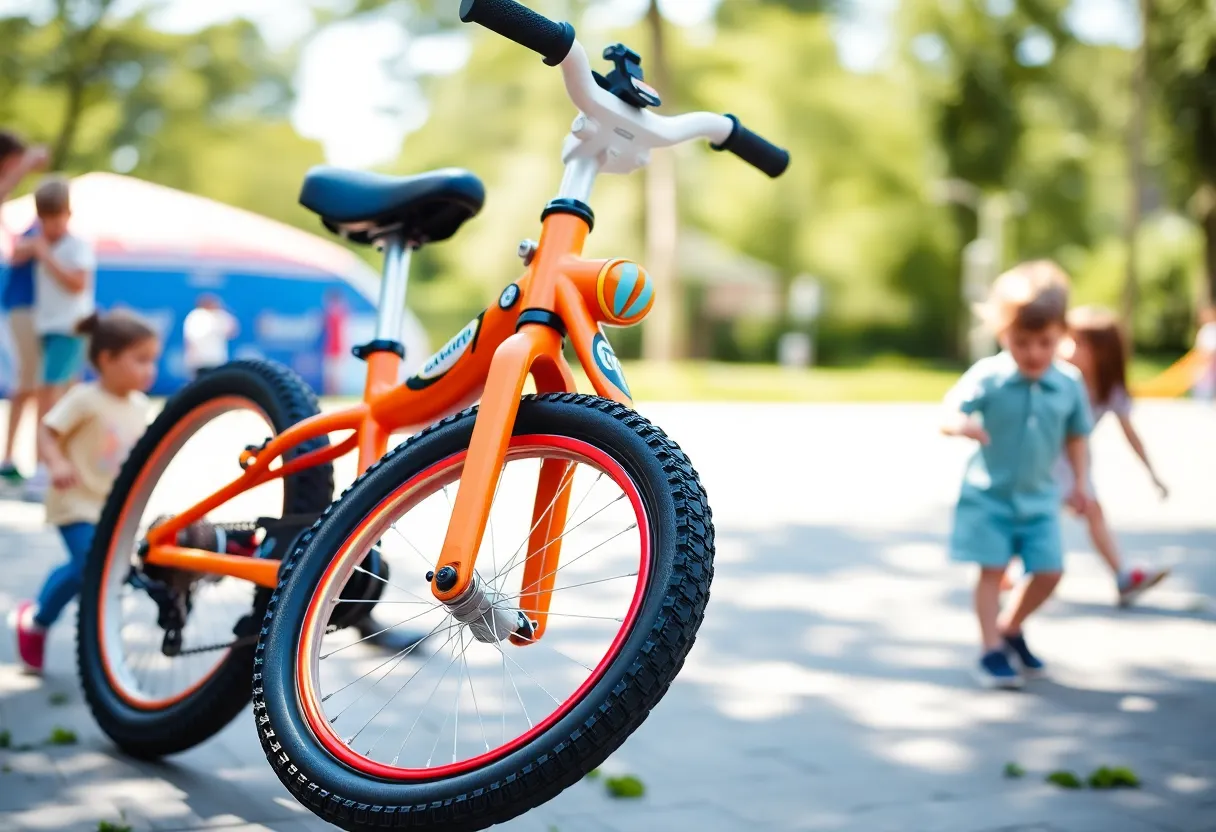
point(1025, 408)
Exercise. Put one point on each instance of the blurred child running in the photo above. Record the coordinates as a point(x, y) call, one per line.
point(1097, 347)
point(85, 439)
point(1024, 408)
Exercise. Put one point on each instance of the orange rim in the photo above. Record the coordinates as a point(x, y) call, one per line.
point(373, 527)
point(110, 627)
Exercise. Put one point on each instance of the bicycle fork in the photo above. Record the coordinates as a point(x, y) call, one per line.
point(559, 281)
point(535, 349)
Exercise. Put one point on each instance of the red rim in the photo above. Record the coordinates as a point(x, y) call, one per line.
point(367, 530)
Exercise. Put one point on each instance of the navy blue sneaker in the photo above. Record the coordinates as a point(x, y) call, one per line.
point(1015, 647)
point(995, 671)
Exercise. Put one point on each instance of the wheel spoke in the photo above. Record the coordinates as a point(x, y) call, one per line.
point(447, 716)
point(359, 568)
point(575, 615)
point(476, 708)
point(355, 736)
point(567, 481)
point(325, 656)
point(411, 544)
point(460, 674)
point(550, 647)
point(571, 586)
point(561, 536)
point(575, 560)
point(503, 693)
point(401, 653)
point(529, 675)
point(522, 706)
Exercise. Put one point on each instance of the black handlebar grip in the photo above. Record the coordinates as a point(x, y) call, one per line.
point(517, 22)
point(756, 151)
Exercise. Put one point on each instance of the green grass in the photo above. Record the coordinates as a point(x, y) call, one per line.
point(61, 736)
point(625, 788)
point(58, 699)
point(1014, 771)
point(6, 739)
point(709, 381)
point(891, 379)
point(1119, 777)
point(1145, 367)
point(1064, 779)
point(882, 380)
point(108, 826)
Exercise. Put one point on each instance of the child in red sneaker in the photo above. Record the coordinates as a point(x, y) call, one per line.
point(85, 439)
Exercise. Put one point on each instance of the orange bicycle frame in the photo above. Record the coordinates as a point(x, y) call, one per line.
point(490, 359)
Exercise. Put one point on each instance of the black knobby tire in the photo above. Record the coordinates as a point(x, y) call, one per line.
point(674, 606)
point(285, 399)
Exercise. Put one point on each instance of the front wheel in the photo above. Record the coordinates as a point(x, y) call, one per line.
point(475, 725)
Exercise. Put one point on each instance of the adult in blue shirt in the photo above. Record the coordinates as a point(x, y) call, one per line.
point(17, 298)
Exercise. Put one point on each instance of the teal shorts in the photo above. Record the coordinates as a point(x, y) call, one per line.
point(62, 358)
point(991, 535)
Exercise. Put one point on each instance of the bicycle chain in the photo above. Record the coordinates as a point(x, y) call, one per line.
point(238, 526)
point(231, 645)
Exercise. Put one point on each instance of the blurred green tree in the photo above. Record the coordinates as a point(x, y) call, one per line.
point(1182, 70)
point(202, 111)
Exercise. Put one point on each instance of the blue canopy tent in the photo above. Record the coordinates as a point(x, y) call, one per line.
point(159, 249)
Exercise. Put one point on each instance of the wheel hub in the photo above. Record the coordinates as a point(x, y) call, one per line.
point(489, 618)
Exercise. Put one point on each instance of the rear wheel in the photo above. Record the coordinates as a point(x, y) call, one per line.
point(487, 717)
point(165, 655)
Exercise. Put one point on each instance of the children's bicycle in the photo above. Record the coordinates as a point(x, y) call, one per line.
point(552, 552)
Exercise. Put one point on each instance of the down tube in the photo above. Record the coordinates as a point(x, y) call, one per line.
point(454, 377)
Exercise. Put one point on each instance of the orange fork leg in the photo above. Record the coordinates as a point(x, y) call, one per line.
point(545, 543)
point(548, 512)
point(487, 453)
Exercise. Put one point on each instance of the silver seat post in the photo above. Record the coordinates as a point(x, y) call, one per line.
point(391, 312)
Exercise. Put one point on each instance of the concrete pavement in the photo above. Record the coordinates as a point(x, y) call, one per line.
point(828, 688)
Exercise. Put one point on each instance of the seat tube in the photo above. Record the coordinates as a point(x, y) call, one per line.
point(391, 313)
point(384, 362)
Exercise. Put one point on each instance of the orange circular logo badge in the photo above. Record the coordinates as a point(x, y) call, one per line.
point(625, 292)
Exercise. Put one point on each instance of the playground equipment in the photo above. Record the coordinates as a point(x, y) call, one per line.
point(1174, 381)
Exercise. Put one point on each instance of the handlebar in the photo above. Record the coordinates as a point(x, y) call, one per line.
point(556, 43)
point(515, 21)
point(754, 149)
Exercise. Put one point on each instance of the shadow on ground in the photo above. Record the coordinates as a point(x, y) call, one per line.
point(828, 690)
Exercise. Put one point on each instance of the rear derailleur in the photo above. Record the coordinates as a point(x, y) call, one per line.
point(172, 590)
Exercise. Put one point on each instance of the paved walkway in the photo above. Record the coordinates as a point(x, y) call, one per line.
point(828, 689)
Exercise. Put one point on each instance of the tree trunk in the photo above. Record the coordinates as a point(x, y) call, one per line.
point(1135, 161)
point(1208, 222)
point(81, 56)
point(663, 337)
point(62, 149)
